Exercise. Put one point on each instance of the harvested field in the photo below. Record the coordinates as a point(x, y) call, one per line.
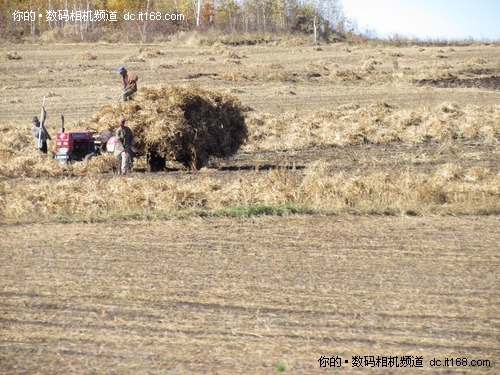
point(359, 217)
point(240, 296)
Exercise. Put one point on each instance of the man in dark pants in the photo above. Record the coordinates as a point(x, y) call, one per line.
point(41, 135)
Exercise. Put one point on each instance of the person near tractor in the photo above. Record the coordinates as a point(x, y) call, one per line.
point(41, 135)
point(129, 81)
point(123, 146)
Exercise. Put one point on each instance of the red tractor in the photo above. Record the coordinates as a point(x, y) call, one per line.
point(74, 146)
point(82, 145)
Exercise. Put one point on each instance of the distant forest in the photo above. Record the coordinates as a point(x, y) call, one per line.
point(144, 20)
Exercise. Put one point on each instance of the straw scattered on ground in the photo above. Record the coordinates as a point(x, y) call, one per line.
point(379, 123)
point(448, 188)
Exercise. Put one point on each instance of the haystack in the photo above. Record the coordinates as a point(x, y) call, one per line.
point(184, 124)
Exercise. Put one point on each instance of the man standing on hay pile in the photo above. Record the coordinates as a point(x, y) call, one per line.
point(40, 139)
point(123, 147)
point(129, 80)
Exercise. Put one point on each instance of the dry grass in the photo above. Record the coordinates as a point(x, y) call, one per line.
point(85, 56)
point(320, 187)
point(11, 55)
point(377, 123)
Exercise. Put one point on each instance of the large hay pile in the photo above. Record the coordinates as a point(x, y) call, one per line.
point(185, 124)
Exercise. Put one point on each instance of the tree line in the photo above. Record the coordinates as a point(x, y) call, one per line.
point(145, 19)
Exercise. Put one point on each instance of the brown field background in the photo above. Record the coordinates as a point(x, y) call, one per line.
point(239, 296)
point(388, 155)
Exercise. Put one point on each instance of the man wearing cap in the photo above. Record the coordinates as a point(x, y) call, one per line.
point(41, 135)
point(129, 81)
point(123, 146)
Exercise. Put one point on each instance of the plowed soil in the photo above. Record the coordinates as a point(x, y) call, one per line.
point(243, 296)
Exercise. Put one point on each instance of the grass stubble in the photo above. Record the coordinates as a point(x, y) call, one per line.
point(241, 295)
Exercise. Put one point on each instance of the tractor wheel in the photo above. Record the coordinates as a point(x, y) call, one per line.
point(196, 164)
point(156, 163)
point(200, 162)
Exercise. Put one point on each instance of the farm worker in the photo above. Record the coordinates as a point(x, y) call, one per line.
point(129, 81)
point(40, 139)
point(123, 146)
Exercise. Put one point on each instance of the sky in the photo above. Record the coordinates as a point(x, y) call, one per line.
point(427, 19)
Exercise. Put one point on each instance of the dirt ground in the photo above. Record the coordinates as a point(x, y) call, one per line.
point(255, 295)
point(241, 296)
